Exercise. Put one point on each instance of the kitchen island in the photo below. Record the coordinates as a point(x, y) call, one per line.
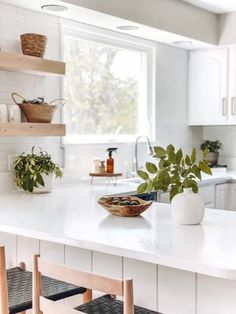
point(176, 269)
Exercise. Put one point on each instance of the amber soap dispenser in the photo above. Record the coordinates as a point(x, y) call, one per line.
point(110, 160)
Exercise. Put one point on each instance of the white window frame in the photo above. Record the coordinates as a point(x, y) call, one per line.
point(83, 31)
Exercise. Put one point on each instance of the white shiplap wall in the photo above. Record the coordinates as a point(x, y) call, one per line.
point(13, 22)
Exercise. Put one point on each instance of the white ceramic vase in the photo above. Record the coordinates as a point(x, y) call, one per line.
point(187, 208)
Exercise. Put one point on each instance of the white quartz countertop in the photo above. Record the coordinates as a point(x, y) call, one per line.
point(71, 216)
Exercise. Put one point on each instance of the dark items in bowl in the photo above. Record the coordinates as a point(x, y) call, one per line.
point(126, 206)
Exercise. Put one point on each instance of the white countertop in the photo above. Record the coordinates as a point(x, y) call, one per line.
point(70, 215)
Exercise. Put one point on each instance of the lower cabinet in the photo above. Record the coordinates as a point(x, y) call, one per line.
point(207, 192)
point(164, 198)
point(232, 198)
point(223, 196)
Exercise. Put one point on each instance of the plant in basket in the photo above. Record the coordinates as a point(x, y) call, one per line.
point(34, 172)
point(38, 110)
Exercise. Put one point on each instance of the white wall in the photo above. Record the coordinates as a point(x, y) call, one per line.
point(172, 108)
point(171, 96)
point(226, 33)
point(226, 135)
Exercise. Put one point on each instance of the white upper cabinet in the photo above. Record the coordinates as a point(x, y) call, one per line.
point(208, 87)
point(232, 86)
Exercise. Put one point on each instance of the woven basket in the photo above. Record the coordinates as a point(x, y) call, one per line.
point(42, 113)
point(33, 44)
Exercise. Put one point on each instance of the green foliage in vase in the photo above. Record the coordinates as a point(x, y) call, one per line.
point(30, 167)
point(173, 171)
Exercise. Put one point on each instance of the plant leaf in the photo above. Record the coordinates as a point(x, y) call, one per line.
point(152, 168)
point(159, 151)
point(142, 187)
point(194, 155)
point(170, 148)
point(143, 175)
point(204, 167)
point(171, 156)
point(196, 171)
point(179, 156)
point(150, 186)
point(161, 164)
point(187, 160)
point(40, 179)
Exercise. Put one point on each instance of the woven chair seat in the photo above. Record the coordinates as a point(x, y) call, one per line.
point(107, 305)
point(20, 289)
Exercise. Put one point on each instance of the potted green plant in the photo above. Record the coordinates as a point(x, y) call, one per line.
point(34, 172)
point(179, 175)
point(211, 151)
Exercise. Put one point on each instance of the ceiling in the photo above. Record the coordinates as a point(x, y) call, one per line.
point(91, 17)
point(216, 6)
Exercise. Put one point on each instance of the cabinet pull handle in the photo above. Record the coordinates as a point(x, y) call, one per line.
point(224, 106)
point(232, 106)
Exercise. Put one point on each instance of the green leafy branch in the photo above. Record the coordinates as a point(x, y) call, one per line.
point(173, 171)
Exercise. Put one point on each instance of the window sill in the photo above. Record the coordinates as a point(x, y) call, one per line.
point(77, 140)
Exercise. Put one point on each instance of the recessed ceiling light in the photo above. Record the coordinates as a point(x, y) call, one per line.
point(54, 7)
point(127, 28)
point(182, 42)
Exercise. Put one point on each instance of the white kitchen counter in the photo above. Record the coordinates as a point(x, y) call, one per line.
point(71, 216)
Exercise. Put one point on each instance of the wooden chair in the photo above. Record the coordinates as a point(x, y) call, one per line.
point(106, 304)
point(16, 288)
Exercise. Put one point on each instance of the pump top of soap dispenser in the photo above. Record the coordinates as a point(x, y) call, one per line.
point(110, 150)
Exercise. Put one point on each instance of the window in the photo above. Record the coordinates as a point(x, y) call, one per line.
point(107, 86)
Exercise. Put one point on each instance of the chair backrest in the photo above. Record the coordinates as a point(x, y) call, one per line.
point(4, 307)
point(79, 278)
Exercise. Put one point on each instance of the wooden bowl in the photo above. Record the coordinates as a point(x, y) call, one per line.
point(124, 210)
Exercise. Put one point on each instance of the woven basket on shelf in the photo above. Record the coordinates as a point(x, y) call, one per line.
point(33, 44)
point(35, 113)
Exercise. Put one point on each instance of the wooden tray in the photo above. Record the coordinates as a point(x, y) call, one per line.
point(106, 174)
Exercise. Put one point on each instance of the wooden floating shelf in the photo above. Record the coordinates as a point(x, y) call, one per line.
point(32, 129)
point(31, 65)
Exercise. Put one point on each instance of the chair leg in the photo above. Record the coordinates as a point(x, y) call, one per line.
point(87, 296)
point(3, 283)
point(128, 297)
point(36, 287)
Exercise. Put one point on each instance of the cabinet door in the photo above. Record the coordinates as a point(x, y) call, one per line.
point(208, 194)
point(222, 196)
point(165, 198)
point(208, 75)
point(232, 86)
point(232, 196)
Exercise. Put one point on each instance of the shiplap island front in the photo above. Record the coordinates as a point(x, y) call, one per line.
point(176, 269)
